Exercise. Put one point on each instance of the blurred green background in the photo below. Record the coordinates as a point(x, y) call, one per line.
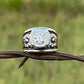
point(65, 16)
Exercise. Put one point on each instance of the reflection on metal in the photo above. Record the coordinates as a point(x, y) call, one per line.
point(40, 39)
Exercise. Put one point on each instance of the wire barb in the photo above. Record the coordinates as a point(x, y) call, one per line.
point(23, 62)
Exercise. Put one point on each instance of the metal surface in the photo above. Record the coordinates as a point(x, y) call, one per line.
point(40, 39)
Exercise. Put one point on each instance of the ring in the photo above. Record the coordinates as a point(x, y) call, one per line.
point(40, 39)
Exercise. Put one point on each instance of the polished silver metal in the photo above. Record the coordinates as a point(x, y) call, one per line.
point(40, 39)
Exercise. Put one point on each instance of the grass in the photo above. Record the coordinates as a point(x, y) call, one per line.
point(69, 28)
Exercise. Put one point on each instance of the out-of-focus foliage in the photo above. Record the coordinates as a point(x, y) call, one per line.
point(65, 16)
point(11, 4)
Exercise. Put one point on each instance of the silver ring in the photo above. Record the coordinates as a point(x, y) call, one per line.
point(40, 39)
